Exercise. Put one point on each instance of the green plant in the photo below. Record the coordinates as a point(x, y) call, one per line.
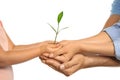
point(57, 31)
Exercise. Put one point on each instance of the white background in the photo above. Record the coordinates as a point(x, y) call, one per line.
point(25, 21)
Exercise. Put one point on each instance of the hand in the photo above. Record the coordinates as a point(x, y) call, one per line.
point(79, 61)
point(48, 47)
point(66, 68)
point(68, 50)
point(50, 62)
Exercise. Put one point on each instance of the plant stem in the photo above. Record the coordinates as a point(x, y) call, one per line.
point(55, 37)
point(56, 33)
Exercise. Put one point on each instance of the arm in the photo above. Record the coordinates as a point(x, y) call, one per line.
point(112, 20)
point(114, 31)
point(17, 54)
point(23, 47)
point(77, 62)
point(99, 44)
point(115, 14)
point(81, 62)
point(100, 41)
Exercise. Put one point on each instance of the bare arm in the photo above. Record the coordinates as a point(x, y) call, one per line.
point(13, 57)
point(23, 47)
point(111, 20)
point(103, 38)
point(17, 54)
point(100, 44)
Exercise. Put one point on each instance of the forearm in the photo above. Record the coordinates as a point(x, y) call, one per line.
point(112, 20)
point(14, 57)
point(23, 47)
point(100, 44)
point(94, 61)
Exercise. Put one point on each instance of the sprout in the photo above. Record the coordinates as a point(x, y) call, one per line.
point(57, 31)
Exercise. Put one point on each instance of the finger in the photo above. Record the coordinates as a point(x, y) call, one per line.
point(46, 54)
point(67, 64)
point(55, 68)
point(43, 57)
point(53, 63)
point(61, 59)
point(43, 61)
point(77, 59)
point(53, 48)
point(58, 52)
point(71, 70)
point(64, 57)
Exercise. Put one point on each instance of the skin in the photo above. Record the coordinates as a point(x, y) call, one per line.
point(13, 54)
point(100, 44)
point(78, 62)
point(5, 71)
point(20, 53)
point(94, 51)
point(111, 20)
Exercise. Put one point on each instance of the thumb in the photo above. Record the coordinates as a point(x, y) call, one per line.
point(67, 65)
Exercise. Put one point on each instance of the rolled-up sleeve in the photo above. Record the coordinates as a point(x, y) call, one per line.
point(114, 33)
point(116, 7)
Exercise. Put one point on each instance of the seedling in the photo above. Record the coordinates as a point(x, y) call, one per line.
point(57, 30)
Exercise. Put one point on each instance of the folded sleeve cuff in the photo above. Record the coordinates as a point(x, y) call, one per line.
point(114, 33)
point(117, 48)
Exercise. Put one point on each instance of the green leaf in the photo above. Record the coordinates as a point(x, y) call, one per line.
point(52, 27)
point(63, 28)
point(60, 17)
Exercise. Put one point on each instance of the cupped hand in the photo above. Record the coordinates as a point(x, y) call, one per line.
point(67, 68)
point(48, 47)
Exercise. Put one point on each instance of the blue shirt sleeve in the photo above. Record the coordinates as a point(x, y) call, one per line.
point(114, 33)
point(116, 7)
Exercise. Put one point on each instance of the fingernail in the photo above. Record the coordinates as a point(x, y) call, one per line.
point(51, 56)
point(62, 67)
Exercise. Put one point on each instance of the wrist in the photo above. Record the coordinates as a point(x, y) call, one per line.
point(88, 62)
point(42, 49)
point(83, 46)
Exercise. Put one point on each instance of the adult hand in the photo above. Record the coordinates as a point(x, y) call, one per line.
point(68, 50)
point(79, 61)
point(66, 68)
